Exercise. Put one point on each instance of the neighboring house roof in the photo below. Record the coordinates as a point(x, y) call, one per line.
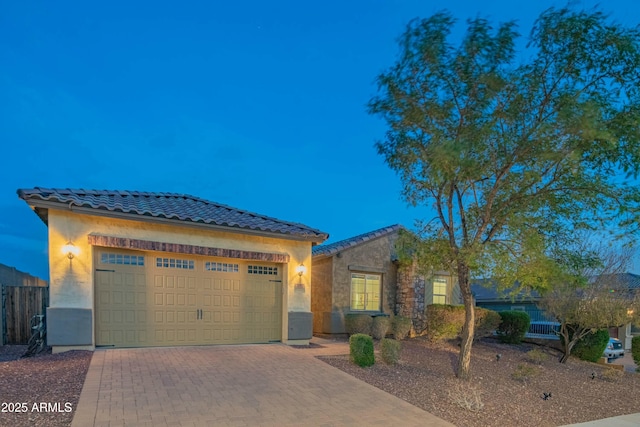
point(334, 248)
point(171, 207)
point(625, 280)
point(486, 290)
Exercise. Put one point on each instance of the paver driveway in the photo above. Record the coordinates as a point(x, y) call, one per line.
point(233, 385)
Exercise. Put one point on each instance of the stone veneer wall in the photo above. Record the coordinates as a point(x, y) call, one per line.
point(410, 297)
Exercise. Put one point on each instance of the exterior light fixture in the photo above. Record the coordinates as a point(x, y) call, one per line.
point(301, 269)
point(70, 250)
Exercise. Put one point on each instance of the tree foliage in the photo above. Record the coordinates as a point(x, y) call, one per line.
point(509, 153)
point(591, 294)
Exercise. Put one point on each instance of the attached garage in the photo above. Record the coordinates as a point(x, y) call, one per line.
point(159, 269)
point(145, 299)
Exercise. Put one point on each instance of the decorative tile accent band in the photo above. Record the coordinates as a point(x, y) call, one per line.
point(148, 245)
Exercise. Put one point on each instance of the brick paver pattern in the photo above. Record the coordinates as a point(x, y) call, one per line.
point(243, 385)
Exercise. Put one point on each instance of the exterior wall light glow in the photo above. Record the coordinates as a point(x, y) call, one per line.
point(301, 269)
point(70, 250)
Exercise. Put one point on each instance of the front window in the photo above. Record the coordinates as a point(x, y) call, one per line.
point(439, 291)
point(365, 291)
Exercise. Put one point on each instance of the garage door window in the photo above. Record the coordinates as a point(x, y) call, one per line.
point(259, 269)
point(175, 263)
point(121, 259)
point(221, 266)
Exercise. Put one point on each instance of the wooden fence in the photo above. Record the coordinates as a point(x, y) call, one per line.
point(19, 305)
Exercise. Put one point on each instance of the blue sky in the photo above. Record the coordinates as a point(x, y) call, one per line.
point(257, 105)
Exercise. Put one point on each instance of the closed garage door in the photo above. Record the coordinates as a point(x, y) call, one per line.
point(157, 299)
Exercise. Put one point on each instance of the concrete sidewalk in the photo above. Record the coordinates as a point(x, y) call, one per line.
point(241, 385)
point(631, 420)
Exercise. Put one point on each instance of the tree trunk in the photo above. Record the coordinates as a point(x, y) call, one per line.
point(468, 330)
point(566, 349)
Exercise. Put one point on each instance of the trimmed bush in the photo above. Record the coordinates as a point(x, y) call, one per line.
point(513, 326)
point(445, 322)
point(358, 323)
point(635, 350)
point(390, 351)
point(380, 327)
point(361, 350)
point(401, 326)
point(487, 321)
point(591, 346)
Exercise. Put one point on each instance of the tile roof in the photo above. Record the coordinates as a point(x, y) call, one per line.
point(168, 206)
point(487, 290)
point(334, 248)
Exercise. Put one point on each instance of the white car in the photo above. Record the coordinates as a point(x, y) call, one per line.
point(614, 349)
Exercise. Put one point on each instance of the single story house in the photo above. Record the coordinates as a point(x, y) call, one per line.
point(134, 269)
point(362, 274)
point(487, 295)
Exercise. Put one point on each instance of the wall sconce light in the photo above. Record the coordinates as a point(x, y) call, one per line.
point(301, 269)
point(70, 250)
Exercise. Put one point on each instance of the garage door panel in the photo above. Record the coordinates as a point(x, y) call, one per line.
point(187, 300)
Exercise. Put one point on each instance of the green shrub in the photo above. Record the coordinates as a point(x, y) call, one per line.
point(513, 326)
point(487, 321)
point(591, 346)
point(635, 350)
point(445, 322)
point(380, 327)
point(390, 351)
point(400, 326)
point(358, 323)
point(361, 350)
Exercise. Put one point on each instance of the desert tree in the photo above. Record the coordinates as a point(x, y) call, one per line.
point(509, 151)
point(591, 293)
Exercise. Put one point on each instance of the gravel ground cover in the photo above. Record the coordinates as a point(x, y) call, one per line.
point(519, 389)
point(506, 392)
point(42, 390)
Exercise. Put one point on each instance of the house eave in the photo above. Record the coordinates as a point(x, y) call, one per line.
point(41, 208)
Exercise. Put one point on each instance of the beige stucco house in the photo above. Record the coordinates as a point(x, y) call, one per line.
point(363, 275)
point(131, 269)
